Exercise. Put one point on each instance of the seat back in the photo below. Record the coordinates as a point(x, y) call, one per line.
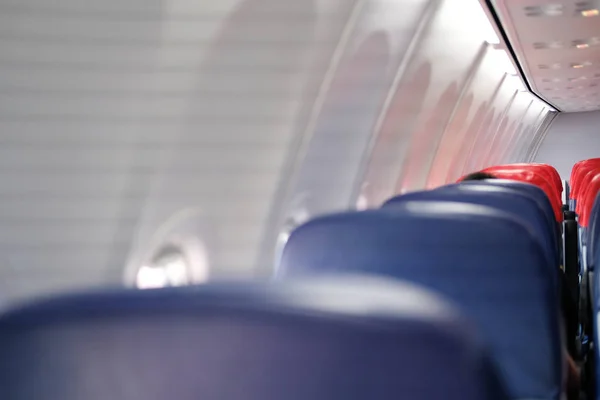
point(535, 178)
point(593, 232)
point(588, 196)
point(532, 190)
point(547, 170)
point(485, 260)
point(505, 199)
point(357, 338)
point(578, 172)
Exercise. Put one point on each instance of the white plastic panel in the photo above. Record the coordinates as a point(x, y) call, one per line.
point(218, 125)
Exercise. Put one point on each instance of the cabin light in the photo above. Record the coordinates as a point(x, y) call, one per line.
point(577, 66)
point(550, 10)
point(593, 12)
point(551, 66)
point(586, 43)
point(556, 44)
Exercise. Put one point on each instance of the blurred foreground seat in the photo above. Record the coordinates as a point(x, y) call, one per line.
point(349, 338)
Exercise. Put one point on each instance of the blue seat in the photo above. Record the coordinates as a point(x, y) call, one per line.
point(535, 192)
point(357, 339)
point(595, 307)
point(484, 259)
point(506, 199)
point(593, 233)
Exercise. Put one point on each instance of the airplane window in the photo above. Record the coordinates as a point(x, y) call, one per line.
point(453, 138)
point(462, 156)
point(391, 145)
point(176, 254)
point(343, 128)
point(420, 154)
point(168, 268)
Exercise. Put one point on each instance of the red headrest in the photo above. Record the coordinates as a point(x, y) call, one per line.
point(579, 164)
point(585, 177)
point(590, 190)
point(533, 177)
point(547, 170)
point(580, 169)
point(536, 175)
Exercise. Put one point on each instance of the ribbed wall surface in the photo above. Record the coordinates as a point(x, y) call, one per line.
point(117, 116)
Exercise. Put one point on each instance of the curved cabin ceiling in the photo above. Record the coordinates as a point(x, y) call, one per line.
point(557, 44)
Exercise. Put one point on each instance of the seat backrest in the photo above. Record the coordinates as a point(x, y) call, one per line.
point(587, 186)
point(585, 176)
point(555, 175)
point(593, 232)
point(595, 307)
point(484, 259)
point(531, 176)
point(547, 170)
point(588, 196)
point(532, 190)
point(505, 199)
point(576, 170)
point(578, 176)
point(359, 338)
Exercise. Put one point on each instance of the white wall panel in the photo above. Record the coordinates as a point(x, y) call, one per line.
point(260, 76)
point(571, 138)
point(526, 142)
point(128, 124)
point(450, 79)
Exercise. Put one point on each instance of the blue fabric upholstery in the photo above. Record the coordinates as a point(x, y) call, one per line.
point(595, 306)
point(536, 192)
point(357, 339)
point(484, 259)
point(593, 233)
point(506, 199)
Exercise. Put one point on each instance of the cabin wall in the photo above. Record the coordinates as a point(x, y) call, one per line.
point(217, 126)
point(572, 137)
